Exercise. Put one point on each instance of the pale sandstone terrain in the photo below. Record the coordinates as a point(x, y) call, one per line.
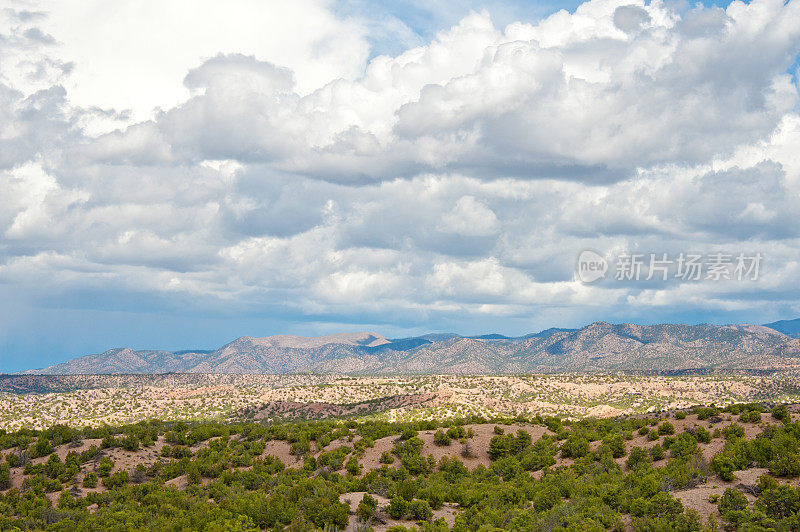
point(37, 401)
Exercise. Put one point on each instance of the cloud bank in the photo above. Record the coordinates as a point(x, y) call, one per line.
point(451, 185)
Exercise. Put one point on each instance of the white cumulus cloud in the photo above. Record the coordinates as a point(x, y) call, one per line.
point(287, 175)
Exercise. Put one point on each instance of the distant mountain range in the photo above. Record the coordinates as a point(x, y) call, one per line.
point(599, 347)
point(788, 327)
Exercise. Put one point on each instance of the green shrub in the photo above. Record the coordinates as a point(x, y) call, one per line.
point(702, 435)
point(5, 476)
point(117, 480)
point(352, 466)
point(731, 500)
point(575, 447)
point(547, 498)
point(420, 510)
point(408, 433)
point(130, 443)
point(105, 466)
point(733, 431)
point(684, 446)
point(299, 448)
point(750, 416)
point(499, 447)
point(41, 448)
point(704, 413)
point(615, 444)
point(12, 460)
point(457, 432)
point(398, 507)
point(90, 480)
point(724, 465)
point(666, 428)
point(786, 465)
point(386, 458)
point(657, 453)
point(412, 446)
point(780, 502)
point(366, 508)
point(637, 457)
point(781, 414)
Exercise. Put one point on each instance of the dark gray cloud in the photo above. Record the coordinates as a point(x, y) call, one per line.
point(631, 18)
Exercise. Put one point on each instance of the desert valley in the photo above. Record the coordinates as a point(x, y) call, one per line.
point(445, 434)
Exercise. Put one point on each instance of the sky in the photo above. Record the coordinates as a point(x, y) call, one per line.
point(178, 174)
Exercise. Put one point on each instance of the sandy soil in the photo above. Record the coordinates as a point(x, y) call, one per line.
point(180, 483)
point(698, 498)
point(281, 450)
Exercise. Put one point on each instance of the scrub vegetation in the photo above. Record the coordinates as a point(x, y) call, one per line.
point(699, 468)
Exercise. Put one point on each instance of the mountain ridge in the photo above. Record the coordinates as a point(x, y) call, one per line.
point(597, 347)
point(788, 327)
